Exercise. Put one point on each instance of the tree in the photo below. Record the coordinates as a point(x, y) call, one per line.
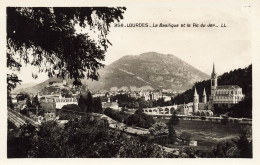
point(140, 120)
point(89, 103)
point(187, 152)
point(139, 110)
point(12, 80)
point(224, 149)
point(171, 134)
point(9, 100)
point(85, 102)
point(22, 96)
point(244, 145)
point(160, 102)
point(35, 102)
point(158, 128)
point(174, 119)
point(97, 105)
point(19, 143)
point(66, 93)
point(28, 103)
point(51, 40)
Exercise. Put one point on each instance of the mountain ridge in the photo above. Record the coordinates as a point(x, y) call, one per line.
point(159, 71)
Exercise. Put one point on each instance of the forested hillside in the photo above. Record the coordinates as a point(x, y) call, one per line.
point(240, 77)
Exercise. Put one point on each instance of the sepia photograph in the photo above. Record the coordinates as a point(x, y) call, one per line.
point(129, 81)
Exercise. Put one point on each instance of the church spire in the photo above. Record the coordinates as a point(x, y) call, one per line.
point(195, 101)
point(204, 92)
point(213, 74)
point(195, 92)
point(204, 98)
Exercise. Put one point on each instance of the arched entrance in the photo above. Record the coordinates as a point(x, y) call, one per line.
point(171, 110)
point(166, 110)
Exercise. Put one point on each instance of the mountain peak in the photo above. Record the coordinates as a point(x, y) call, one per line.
point(151, 70)
point(159, 71)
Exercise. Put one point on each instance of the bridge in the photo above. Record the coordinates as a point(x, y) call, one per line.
point(167, 110)
point(18, 119)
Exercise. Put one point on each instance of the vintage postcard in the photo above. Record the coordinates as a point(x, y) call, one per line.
point(168, 80)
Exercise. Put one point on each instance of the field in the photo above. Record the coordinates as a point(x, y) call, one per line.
point(207, 134)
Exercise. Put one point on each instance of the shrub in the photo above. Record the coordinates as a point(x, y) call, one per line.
point(73, 107)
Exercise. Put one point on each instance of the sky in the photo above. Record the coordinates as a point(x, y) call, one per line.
point(227, 47)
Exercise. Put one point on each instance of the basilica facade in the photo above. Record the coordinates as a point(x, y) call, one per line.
point(221, 95)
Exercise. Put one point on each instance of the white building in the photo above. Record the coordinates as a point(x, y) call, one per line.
point(61, 101)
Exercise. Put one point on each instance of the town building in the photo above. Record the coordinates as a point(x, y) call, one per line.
point(149, 95)
point(112, 105)
point(61, 101)
point(50, 103)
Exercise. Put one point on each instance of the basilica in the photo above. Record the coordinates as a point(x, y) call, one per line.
point(221, 95)
point(224, 94)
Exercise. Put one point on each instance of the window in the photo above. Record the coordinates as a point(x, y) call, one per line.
point(213, 82)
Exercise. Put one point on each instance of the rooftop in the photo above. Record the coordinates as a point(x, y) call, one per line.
point(228, 87)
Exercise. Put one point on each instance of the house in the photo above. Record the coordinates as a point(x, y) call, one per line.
point(112, 105)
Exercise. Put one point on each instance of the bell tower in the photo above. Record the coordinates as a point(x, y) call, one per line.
point(214, 85)
point(214, 80)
